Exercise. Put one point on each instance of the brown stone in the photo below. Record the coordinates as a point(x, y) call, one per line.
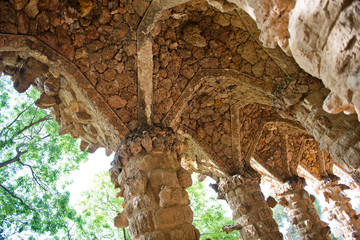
point(31, 9)
point(121, 221)
point(184, 177)
point(117, 102)
point(109, 75)
point(68, 51)
point(45, 101)
point(120, 32)
point(51, 86)
point(19, 4)
point(173, 196)
point(81, 53)
point(140, 6)
point(249, 53)
point(105, 16)
point(27, 74)
point(209, 63)
point(130, 48)
point(23, 23)
point(222, 19)
point(43, 21)
point(109, 52)
point(192, 35)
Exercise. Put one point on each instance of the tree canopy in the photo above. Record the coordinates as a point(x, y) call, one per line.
point(209, 216)
point(97, 208)
point(34, 163)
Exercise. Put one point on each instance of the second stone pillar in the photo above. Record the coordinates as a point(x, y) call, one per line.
point(339, 209)
point(298, 204)
point(252, 215)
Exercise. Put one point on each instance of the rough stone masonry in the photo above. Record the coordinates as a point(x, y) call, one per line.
point(200, 85)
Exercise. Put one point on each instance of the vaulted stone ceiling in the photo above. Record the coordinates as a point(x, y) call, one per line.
point(107, 68)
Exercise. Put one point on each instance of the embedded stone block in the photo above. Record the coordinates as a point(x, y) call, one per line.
point(184, 177)
point(45, 101)
point(142, 203)
point(157, 235)
point(185, 232)
point(163, 177)
point(121, 221)
point(150, 162)
point(141, 224)
point(170, 217)
point(249, 232)
point(136, 185)
point(173, 196)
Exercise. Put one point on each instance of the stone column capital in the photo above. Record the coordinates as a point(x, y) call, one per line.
point(150, 139)
point(245, 176)
point(290, 185)
point(252, 214)
point(327, 182)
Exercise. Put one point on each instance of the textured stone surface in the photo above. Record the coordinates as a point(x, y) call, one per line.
point(338, 208)
point(147, 169)
point(106, 68)
point(330, 50)
point(301, 210)
point(322, 36)
point(66, 103)
point(252, 214)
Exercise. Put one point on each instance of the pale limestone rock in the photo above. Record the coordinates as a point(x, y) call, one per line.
point(45, 101)
point(121, 221)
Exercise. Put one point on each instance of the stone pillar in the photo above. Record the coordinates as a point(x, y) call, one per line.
point(299, 206)
point(252, 215)
point(338, 208)
point(153, 185)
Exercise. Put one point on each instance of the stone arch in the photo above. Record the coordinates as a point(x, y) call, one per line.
point(77, 105)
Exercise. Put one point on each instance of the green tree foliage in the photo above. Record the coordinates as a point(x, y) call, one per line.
point(97, 208)
point(33, 159)
point(209, 216)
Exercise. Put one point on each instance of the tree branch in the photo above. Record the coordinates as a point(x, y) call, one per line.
point(40, 128)
point(124, 233)
point(17, 117)
point(16, 158)
point(46, 118)
point(35, 177)
point(14, 196)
